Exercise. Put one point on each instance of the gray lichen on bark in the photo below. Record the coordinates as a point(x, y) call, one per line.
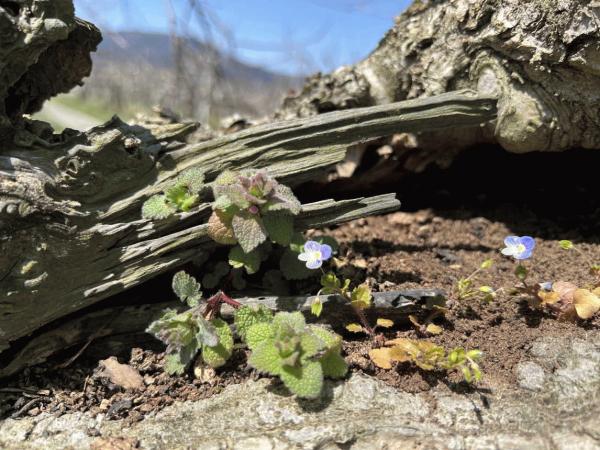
point(540, 57)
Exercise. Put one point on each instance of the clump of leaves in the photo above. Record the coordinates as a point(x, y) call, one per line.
point(466, 289)
point(188, 333)
point(428, 356)
point(250, 207)
point(182, 195)
point(567, 300)
point(300, 355)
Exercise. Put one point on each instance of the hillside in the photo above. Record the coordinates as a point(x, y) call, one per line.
point(134, 71)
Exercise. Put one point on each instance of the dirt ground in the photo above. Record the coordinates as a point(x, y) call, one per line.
point(463, 225)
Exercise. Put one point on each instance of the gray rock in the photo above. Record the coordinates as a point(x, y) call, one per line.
point(554, 406)
point(530, 376)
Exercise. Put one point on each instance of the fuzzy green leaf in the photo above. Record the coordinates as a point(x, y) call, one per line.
point(206, 333)
point(258, 333)
point(193, 179)
point(156, 207)
point(265, 357)
point(286, 322)
point(186, 288)
point(216, 356)
point(250, 261)
point(283, 200)
point(305, 381)
point(246, 316)
point(280, 227)
point(334, 365)
point(176, 194)
point(248, 230)
point(361, 297)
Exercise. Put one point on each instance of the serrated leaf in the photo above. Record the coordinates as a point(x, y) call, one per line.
point(217, 355)
point(249, 230)
point(206, 333)
point(247, 316)
point(292, 268)
point(188, 202)
point(283, 199)
point(173, 365)
point(354, 328)
point(220, 229)
point(223, 203)
point(186, 288)
point(258, 333)
point(176, 194)
point(156, 207)
point(305, 381)
point(193, 179)
point(293, 321)
point(265, 358)
point(361, 297)
point(279, 227)
point(385, 323)
point(334, 365)
point(250, 261)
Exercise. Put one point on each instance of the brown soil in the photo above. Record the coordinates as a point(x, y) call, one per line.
point(397, 251)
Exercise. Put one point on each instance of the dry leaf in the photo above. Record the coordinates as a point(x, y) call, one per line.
point(586, 303)
point(121, 374)
point(381, 357)
point(354, 328)
point(385, 323)
point(565, 290)
point(434, 329)
point(548, 298)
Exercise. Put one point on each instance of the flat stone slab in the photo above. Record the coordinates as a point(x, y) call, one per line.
point(555, 404)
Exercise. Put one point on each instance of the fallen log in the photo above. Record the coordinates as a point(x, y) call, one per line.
point(71, 233)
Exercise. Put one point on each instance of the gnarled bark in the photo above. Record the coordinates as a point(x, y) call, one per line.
point(540, 57)
point(71, 233)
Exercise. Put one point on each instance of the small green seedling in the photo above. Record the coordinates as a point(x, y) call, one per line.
point(182, 195)
point(466, 290)
point(428, 356)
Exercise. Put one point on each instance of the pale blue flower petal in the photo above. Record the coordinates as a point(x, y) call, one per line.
point(312, 246)
point(303, 257)
point(528, 242)
point(314, 264)
point(325, 252)
point(512, 241)
point(508, 251)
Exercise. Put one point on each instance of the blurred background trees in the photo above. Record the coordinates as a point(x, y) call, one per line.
point(210, 59)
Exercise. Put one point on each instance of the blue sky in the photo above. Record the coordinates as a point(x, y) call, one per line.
point(289, 36)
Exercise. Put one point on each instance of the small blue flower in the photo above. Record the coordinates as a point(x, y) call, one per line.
point(519, 247)
point(546, 286)
point(314, 254)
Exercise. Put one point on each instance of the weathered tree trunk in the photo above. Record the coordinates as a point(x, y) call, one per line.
point(540, 57)
point(71, 233)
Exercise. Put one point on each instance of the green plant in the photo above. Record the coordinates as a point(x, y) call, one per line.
point(282, 345)
point(428, 356)
point(179, 196)
point(191, 332)
point(466, 290)
point(249, 207)
point(300, 355)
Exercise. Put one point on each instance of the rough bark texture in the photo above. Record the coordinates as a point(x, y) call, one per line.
point(540, 57)
point(70, 230)
point(44, 51)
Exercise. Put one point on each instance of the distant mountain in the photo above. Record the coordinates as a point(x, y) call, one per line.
point(158, 50)
point(136, 70)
